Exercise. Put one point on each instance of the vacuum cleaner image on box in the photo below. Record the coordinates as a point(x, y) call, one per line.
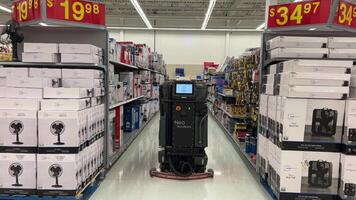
point(183, 134)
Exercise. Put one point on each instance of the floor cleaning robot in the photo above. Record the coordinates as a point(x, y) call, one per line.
point(183, 134)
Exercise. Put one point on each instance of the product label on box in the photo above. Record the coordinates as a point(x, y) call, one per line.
point(299, 14)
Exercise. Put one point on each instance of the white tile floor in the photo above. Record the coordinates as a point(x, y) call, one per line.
point(129, 178)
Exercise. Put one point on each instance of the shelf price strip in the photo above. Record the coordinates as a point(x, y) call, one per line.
point(26, 10)
point(346, 14)
point(299, 14)
point(76, 11)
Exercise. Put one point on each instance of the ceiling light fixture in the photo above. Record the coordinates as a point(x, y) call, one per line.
point(208, 14)
point(43, 24)
point(141, 13)
point(3, 8)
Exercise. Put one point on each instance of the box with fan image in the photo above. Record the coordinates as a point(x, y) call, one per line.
point(310, 124)
point(347, 186)
point(304, 175)
point(263, 115)
point(18, 174)
point(18, 131)
point(349, 137)
point(62, 131)
point(58, 174)
point(262, 160)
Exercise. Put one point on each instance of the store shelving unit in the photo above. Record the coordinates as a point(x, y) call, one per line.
point(227, 96)
point(125, 66)
point(125, 102)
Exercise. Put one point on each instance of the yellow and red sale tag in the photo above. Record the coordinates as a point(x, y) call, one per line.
point(26, 10)
point(346, 14)
point(299, 14)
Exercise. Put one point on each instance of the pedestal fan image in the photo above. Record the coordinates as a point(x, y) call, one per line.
point(55, 171)
point(15, 170)
point(16, 128)
point(350, 189)
point(324, 122)
point(320, 174)
point(57, 128)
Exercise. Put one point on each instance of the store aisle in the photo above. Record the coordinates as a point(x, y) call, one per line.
point(129, 179)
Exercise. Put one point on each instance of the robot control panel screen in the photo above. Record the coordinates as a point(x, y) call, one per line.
point(184, 88)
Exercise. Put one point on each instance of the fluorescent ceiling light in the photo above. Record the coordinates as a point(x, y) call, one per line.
point(312, 29)
point(208, 14)
point(3, 8)
point(141, 13)
point(43, 24)
point(178, 29)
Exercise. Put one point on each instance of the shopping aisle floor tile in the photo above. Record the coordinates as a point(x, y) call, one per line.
point(129, 178)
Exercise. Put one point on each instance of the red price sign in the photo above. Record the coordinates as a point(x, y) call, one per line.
point(76, 11)
point(346, 14)
point(26, 10)
point(299, 13)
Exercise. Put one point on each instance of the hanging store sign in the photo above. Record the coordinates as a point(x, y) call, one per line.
point(346, 14)
point(26, 10)
point(78, 11)
point(303, 13)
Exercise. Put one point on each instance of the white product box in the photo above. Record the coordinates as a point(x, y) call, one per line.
point(315, 66)
point(314, 175)
point(61, 128)
point(98, 92)
point(82, 74)
point(95, 101)
point(316, 121)
point(298, 53)
point(347, 188)
point(297, 42)
point(19, 104)
point(45, 73)
point(320, 92)
point(40, 47)
point(264, 111)
point(342, 43)
point(342, 53)
point(269, 89)
point(272, 112)
point(2, 81)
point(67, 93)
point(272, 69)
point(65, 104)
point(128, 80)
point(58, 174)
point(25, 82)
point(3, 92)
point(262, 159)
point(353, 81)
point(18, 174)
point(80, 49)
point(13, 71)
point(19, 129)
point(349, 136)
point(81, 58)
point(270, 79)
point(317, 79)
point(82, 83)
point(24, 93)
point(41, 57)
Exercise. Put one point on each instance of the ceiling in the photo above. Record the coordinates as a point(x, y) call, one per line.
point(227, 14)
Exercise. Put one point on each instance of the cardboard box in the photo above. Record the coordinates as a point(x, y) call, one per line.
point(98, 92)
point(82, 74)
point(347, 186)
point(58, 174)
point(82, 83)
point(297, 42)
point(81, 58)
point(270, 79)
point(19, 131)
point(271, 120)
point(268, 89)
point(13, 71)
point(263, 114)
point(298, 53)
point(19, 174)
point(65, 104)
point(80, 49)
point(317, 122)
point(317, 79)
point(2, 81)
point(128, 80)
point(129, 118)
point(95, 101)
point(272, 69)
point(342, 53)
point(19, 104)
point(342, 43)
point(315, 66)
point(23, 93)
point(59, 129)
point(349, 136)
point(262, 161)
point(41, 57)
point(25, 82)
point(40, 47)
point(67, 93)
point(305, 174)
point(45, 73)
point(318, 92)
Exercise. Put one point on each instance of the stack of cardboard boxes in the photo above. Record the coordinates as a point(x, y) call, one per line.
point(52, 128)
point(304, 116)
